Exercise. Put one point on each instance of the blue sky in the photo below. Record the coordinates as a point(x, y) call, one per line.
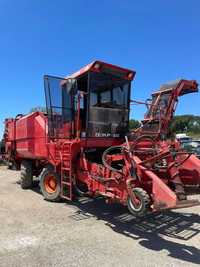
point(159, 39)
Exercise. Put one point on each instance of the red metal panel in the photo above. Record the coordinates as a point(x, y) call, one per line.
point(9, 126)
point(31, 136)
point(190, 171)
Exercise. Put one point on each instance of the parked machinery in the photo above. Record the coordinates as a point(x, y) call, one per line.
point(83, 144)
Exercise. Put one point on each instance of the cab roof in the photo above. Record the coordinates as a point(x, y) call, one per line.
point(100, 66)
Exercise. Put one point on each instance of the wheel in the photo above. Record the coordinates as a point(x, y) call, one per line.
point(50, 184)
point(143, 202)
point(26, 179)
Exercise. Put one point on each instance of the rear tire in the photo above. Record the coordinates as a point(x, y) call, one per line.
point(50, 185)
point(26, 179)
point(144, 203)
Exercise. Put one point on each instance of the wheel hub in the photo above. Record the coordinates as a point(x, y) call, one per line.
point(136, 206)
point(50, 183)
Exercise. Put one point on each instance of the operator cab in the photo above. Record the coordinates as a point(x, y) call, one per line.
point(92, 103)
point(163, 105)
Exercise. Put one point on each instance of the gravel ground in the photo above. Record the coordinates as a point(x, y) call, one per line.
point(34, 232)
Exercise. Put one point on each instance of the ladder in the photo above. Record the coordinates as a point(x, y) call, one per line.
point(66, 171)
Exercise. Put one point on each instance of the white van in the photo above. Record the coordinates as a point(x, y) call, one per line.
point(182, 137)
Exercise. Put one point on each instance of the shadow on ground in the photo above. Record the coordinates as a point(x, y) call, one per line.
point(151, 231)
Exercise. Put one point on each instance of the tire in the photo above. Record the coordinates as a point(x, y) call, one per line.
point(50, 185)
point(144, 205)
point(26, 179)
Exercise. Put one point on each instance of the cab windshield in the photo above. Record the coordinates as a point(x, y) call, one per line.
point(109, 105)
point(108, 92)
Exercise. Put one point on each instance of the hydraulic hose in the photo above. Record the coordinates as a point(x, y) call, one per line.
point(104, 158)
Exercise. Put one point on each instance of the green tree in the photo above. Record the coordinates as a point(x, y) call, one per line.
point(185, 123)
point(134, 124)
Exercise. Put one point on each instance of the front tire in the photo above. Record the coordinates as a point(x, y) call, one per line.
point(50, 185)
point(143, 206)
point(26, 179)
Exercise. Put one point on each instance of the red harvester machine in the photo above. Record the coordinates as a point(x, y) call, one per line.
point(83, 144)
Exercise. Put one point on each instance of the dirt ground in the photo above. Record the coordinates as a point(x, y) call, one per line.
point(34, 232)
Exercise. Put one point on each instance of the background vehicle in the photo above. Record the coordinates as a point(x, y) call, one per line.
point(182, 137)
point(192, 147)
